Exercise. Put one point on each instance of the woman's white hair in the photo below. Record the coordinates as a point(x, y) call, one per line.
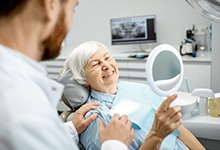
point(76, 61)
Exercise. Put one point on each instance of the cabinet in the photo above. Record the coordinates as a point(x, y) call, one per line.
point(131, 69)
point(197, 74)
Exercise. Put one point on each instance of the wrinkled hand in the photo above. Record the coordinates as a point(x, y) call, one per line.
point(119, 128)
point(79, 120)
point(166, 119)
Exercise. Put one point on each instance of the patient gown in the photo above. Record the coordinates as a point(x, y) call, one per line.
point(137, 101)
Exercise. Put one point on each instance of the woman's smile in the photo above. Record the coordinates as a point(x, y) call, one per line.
point(108, 74)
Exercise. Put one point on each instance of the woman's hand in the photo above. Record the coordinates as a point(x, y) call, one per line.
point(167, 119)
point(165, 122)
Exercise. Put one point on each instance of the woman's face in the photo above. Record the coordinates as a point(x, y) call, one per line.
point(102, 72)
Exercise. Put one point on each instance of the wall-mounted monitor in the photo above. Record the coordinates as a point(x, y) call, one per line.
point(133, 30)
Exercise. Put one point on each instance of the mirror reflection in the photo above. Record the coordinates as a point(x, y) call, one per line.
point(166, 70)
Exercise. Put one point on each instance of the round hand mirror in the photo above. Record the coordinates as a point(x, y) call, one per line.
point(164, 70)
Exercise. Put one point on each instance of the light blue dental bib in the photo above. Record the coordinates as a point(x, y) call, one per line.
point(140, 103)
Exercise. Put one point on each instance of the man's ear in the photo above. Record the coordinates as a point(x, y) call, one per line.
point(52, 9)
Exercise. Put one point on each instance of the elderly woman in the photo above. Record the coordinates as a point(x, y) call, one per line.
point(156, 125)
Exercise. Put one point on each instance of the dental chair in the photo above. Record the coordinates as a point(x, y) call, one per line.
point(73, 96)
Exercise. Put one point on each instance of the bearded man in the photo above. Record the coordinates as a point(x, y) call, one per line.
point(31, 31)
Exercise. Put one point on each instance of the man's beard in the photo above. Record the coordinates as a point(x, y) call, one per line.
point(52, 45)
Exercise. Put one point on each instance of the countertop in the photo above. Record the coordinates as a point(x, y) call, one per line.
point(201, 56)
point(203, 126)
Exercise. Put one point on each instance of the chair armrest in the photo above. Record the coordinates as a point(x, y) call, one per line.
point(64, 115)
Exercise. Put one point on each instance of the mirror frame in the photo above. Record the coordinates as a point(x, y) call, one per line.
point(149, 69)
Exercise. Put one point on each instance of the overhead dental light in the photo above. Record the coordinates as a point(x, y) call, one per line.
point(208, 8)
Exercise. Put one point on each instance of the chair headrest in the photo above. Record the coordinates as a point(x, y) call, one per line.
point(76, 94)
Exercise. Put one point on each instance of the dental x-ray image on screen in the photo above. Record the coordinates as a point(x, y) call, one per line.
point(133, 30)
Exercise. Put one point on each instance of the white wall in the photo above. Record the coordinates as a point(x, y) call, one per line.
point(215, 73)
point(91, 21)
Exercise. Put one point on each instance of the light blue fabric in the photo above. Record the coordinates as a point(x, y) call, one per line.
point(145, 102)
point(89, 137)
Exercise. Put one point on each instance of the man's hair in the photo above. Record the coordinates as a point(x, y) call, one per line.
point(9, 8)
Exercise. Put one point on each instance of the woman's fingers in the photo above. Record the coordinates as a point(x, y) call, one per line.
point(167, 118)
point(166, 103)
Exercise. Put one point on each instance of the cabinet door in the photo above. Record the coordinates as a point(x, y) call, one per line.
point(123, 69)
point(132, 69)
point(198, 75)
point(136, 71)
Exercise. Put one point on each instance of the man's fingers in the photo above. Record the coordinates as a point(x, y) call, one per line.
point(87, 107)
point(101, 125)
point(91, 118)
point(129, 123)
point(115, 116)
point(124, 118)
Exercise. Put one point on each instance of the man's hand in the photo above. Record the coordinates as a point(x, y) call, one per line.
point(167, 119)
point(119, 128)
point(79, 120)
